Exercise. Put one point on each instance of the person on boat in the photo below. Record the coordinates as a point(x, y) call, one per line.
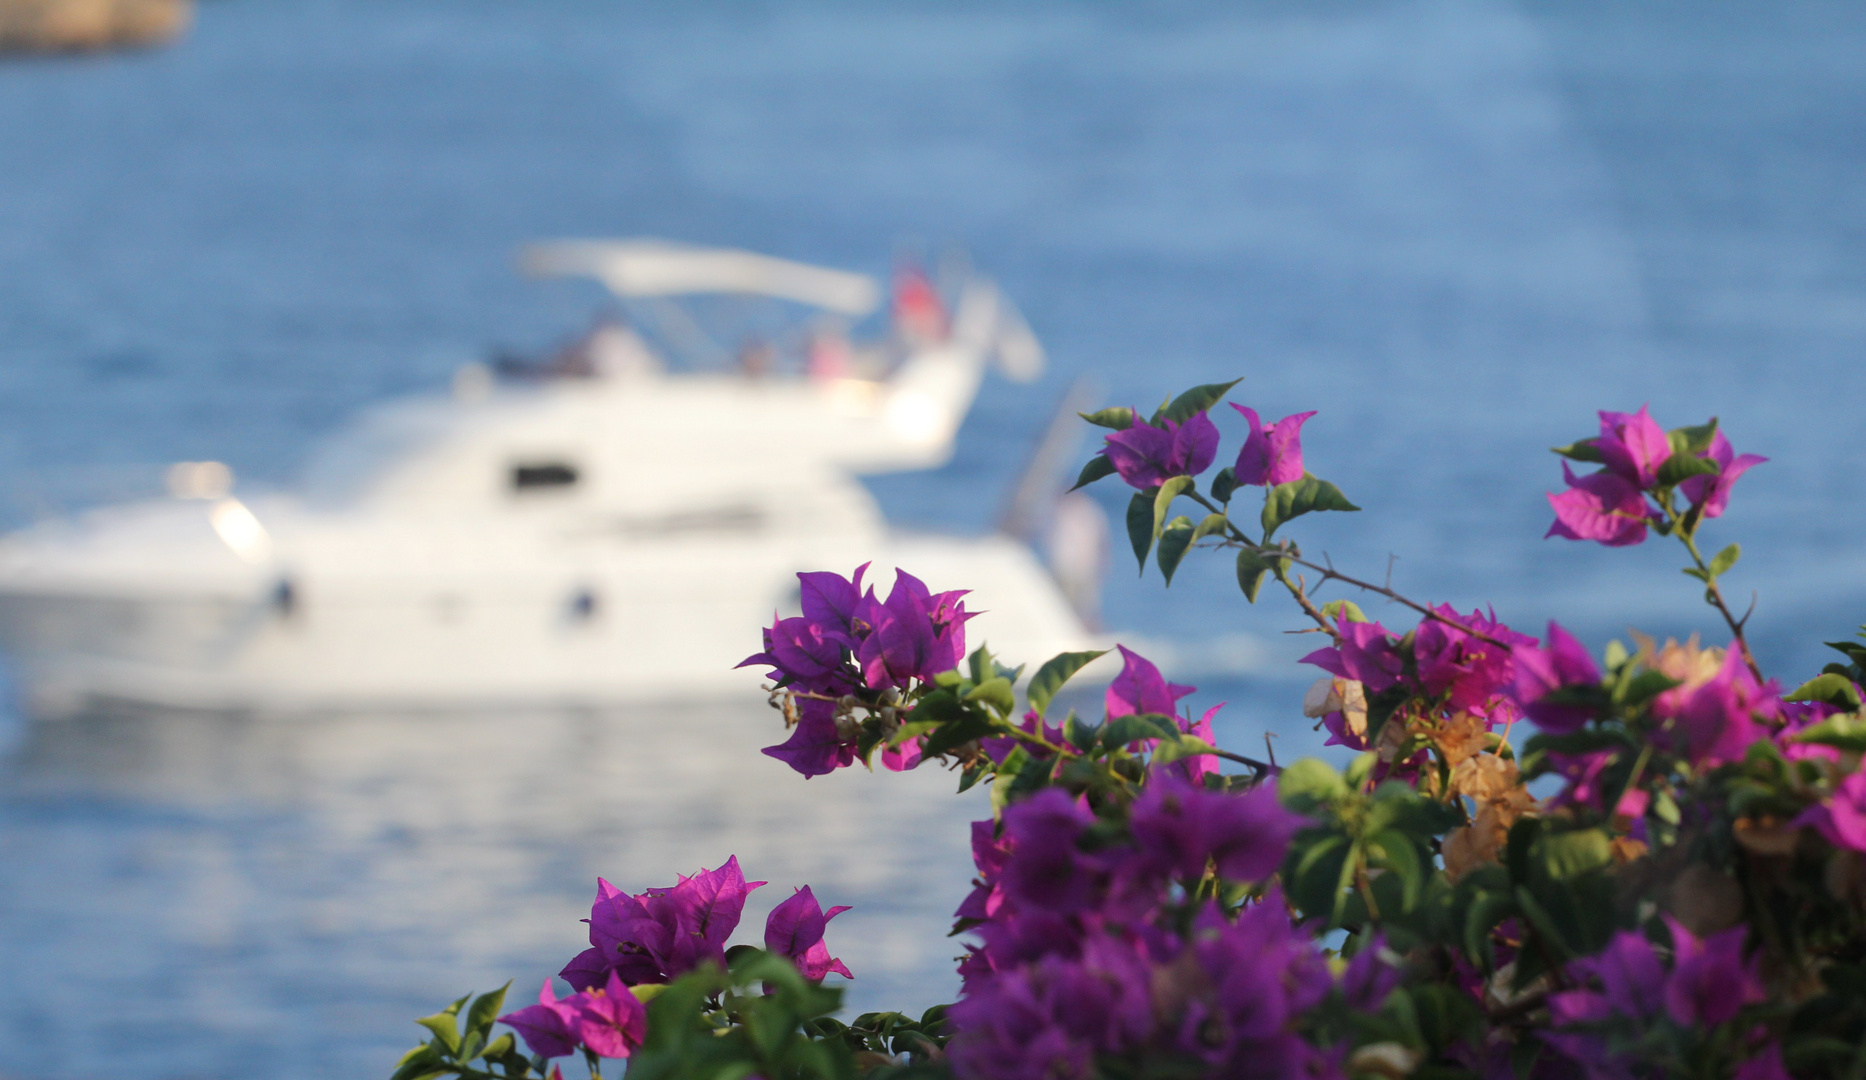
point(919, 313)
point(828, 355)
point(756, 358)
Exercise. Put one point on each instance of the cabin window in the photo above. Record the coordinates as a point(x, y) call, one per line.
point(544, 476)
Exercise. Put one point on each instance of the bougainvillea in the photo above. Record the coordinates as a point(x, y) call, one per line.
point(1537, 860)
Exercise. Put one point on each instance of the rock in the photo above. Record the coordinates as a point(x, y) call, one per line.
point(41, 26)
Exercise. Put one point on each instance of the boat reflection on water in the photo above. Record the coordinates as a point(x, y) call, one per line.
point(279, 899)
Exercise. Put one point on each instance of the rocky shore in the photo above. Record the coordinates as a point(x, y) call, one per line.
point(53, 26)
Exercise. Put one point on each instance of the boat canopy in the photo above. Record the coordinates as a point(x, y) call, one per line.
point(632, 268)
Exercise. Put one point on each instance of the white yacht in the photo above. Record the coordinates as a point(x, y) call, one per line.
point(613, 525)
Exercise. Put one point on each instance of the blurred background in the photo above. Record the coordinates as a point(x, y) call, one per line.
point(1454, 228)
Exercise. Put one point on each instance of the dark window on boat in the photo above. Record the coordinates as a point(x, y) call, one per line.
point(543, 475)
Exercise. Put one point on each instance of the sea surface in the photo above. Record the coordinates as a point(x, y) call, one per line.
point(1453, 228)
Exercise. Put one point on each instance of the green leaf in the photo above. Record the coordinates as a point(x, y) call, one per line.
point(1693, 440)
point(1097, 467)
point(1485, 913)
point(500, 1048)
point(1056, 671)
point(1253, 568)
point(1853, 650)
point(1163, 499)
point(1522, 839)
point(445, 1030)
point(1725, 559)
point(471, 1044)
point(1360, 769)
point(997, 693)
point(1007, 770)
point(1082, 735)
point(1197, 400)
point(1135, 727)
point(485, 1008)
point(1140, 525)
point(1314, 873)
point(1841, 732)
point(1836, 690)
point(1175, 541)
point(1286, 502)
point(1692, 571)
point(1681, 467)
point(1642, 688)
point(1539, 918)
point(912, 729)
point(1564, 856)
point(1225, 484)
point(1309, 783)
point(1334, 609)
point(1585, 741)
point(1171, 750)
point(1397, 853)
point(1120, 418)
point(1584, 450)
point(1214, 524)
point(956, 733)
point(422, 1061)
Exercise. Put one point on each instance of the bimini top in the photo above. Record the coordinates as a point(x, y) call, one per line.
point(663, 268)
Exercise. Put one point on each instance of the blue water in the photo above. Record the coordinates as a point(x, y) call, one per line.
point(1453, 228)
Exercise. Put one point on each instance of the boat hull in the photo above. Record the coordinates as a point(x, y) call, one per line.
point(642, 629)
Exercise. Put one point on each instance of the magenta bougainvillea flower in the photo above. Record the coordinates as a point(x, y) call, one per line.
point(611, 1022)
point(549, 1028)
point(989, 853)
point(1370, 978)
point(1765, 1064)
point(1842, 818)
point(1634, 446)
point(1140, 688)
point(1609, 506)
point(1712, 491)
point(608, 1021)
point(999, 747)
point(1563, 662)
point(1604, 507)
point(802, 652)
point(1710, 980)
point(661, 933)
point(1146, 456)
point(1587, 786)
point(1049, 871)
point(1272, 454)
point(829, 600)
point(795, 930)
point(1228, 996)
point(916, 634)
point(1709, 983)
point(1715, 722)
point(1468, 670)
point(847, 641)
point(1367, 653)
point(1181, 829)
point(1799, 716)
point(1052, 1017)
point(1253, 977)
point(1195, 768)
point(815, 746)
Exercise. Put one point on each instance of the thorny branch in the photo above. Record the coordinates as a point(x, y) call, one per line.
point(1293, 554)
point(785, 701)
